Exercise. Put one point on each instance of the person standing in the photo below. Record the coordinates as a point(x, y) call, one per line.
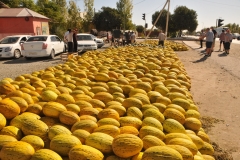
point(201, 37)
point(70, 41)
point(214, 37)
point(75, 44)
point(227, 41)
point(161, 38)
point(65, 35)
point(209, 41)
point(133, 37)
point(222, 39)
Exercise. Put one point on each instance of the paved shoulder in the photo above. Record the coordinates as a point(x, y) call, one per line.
point(228, 62)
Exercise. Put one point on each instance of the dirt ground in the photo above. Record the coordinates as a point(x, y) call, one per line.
point(216, 90)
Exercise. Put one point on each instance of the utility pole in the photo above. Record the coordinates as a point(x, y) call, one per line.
point(166, 32)
point(157, 18)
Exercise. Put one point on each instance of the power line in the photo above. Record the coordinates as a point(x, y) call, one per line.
point(155, 9)
point(138, 2)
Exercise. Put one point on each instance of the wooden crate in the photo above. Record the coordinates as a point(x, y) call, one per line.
point(64, 56)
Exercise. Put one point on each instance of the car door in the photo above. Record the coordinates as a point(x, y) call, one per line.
point(60, 44)
point(54, 44)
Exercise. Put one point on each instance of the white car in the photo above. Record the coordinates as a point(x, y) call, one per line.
point(43, 46)
point(85, 42)
point(99, 41)
point(10, 46)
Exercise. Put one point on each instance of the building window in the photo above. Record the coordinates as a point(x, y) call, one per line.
point(38, 30)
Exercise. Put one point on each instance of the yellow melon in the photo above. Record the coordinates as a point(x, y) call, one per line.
point(103, 96)
point(3, 121)
point(9, 108)
point(53, 109)
point(126, 145)
point(150, 141)
point(12, 131)
point(185, 152)
point(129, 130)
point(46, 154)
point(17, 150)
point(101, 141)
point(83, 152)
point(160, 153)
point(36, 142)
point(68, 117)
point(87, 125)
point(63, 143)
point(65, 99)
point(81, 135)
point(57, 130)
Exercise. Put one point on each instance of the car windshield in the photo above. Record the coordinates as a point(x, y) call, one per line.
point(9, 40)
point(37, 38)
point(84, 38)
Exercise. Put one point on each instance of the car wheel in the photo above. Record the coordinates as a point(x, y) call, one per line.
point(27, 58)
point(17, 53)
point(52, 54)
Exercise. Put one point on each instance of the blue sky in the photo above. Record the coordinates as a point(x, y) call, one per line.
point(208, 10)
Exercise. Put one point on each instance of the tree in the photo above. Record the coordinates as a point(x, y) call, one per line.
point(234, 28)
point(124, 7)
point(161, 23)
point(185, 18)
point(107, 19)
point(88, 18)
point(53, 11)
point(139, 28)
point(74, 19)
point(21, 4)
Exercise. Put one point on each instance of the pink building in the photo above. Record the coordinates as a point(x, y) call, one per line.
point(22, 21)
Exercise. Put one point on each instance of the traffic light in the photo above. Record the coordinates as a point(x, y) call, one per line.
point(146, 25)
point(143, 16)
point(219, 22)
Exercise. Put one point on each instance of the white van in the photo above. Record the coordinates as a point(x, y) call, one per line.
point(219, 30)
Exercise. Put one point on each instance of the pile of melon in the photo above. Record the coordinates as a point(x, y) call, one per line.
point(126, 103)
point(173, 45)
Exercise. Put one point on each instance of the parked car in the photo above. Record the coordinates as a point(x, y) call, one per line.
point(235, 35)
point(86, 42)
point(99, 41)
point(43, 46)
point(10, 46)
point(238, 38)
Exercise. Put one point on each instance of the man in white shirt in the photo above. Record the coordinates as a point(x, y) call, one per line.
point(69, 38)
point(161, 38)
point(133, 37)
point(65, 35)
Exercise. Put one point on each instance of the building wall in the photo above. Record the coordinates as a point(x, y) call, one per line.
point(19, 25)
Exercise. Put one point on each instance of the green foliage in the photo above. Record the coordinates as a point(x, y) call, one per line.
point(140, 28)
point(124, 8)
point(182, 19)
point(53, 11)
point(185, 18)
point(74, 20)
point(20, 4)
point(161, 23)
point(87, 21)
point(107, 19)
point(234, 28)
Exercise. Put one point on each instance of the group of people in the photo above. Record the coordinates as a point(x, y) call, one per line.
point(130, 37)
point(70, 37)
point(126, 38)
point(210, 34)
